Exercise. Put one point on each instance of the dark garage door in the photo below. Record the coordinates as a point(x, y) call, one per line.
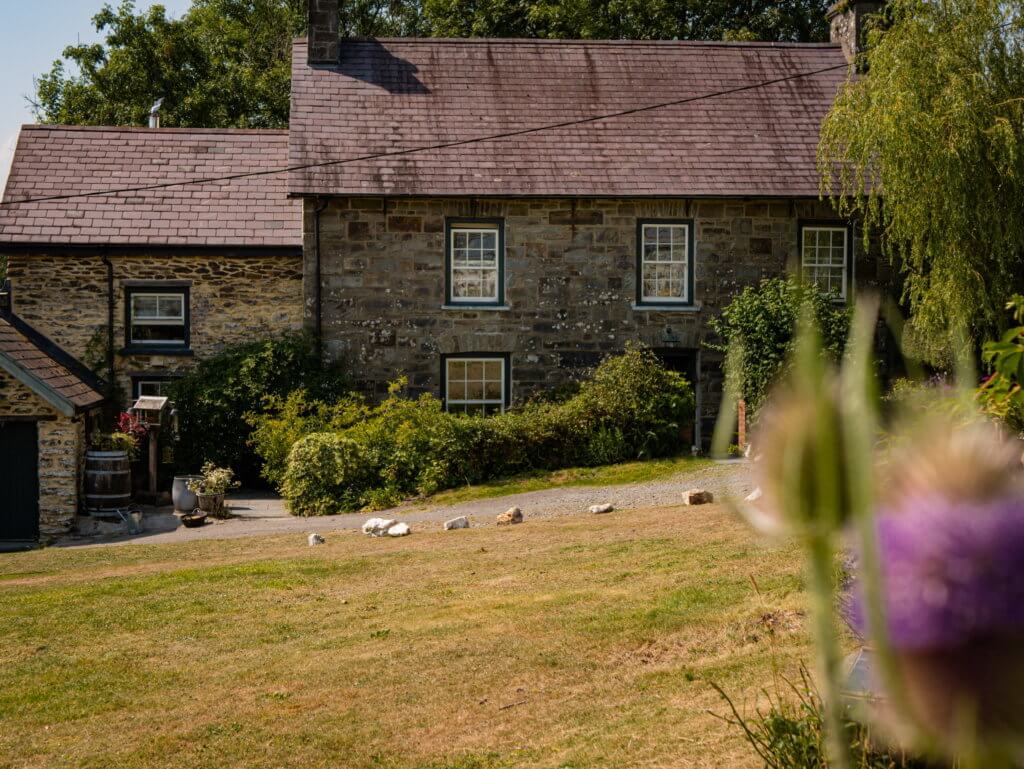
point(19, 483)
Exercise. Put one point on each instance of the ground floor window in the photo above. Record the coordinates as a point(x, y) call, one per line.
point(155, 385)
point(476, 384)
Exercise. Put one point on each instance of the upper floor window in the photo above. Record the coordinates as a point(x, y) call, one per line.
point(665, 262)
point(825, 257)
point(475, 262)
point(158, 317)
point(476, 385)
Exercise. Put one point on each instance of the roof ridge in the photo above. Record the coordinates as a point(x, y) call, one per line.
point(156, 131)
point(768, 44)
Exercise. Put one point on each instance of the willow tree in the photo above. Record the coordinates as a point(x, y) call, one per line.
point(927, 146)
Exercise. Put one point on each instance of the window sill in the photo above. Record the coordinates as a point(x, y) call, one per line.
point(477, 307)
point(667, 307)
point(180, 352)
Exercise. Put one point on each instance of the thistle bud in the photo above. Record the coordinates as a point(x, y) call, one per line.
point(800, 466)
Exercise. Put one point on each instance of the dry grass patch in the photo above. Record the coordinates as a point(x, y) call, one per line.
point(571, 642)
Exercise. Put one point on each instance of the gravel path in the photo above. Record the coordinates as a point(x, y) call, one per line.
point(261, 515)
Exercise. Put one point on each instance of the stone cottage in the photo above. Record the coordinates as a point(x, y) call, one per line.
point(139, 284)
point(135, 285)
point(491, 217)
point(45, 398)
point(486, 217)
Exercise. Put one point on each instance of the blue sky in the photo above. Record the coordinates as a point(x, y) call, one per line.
point(32, 35)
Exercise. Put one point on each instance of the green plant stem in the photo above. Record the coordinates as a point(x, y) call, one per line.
point(820, 567)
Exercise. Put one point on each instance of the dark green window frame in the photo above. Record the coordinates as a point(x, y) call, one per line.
point(452, 225)
point(691, 287)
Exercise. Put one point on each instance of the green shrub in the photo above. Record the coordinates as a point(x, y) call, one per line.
point(284, 421)
point(325, 475)
point(631, 408)
point(214, 399)
point(762, 322)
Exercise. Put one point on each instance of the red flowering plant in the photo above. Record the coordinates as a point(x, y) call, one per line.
point(129, 424)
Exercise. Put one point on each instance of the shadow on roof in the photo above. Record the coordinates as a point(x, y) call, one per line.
point(371, 62)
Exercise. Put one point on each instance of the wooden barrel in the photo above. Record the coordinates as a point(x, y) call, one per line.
point(108, 480)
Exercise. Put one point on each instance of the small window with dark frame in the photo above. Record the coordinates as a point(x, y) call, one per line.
point(824, 257)
point(155, 386)
point(665, 263)
point(475, 263)
point(157, 317)
point(476, 386)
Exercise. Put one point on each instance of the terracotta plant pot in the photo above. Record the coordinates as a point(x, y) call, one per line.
point(211, 503)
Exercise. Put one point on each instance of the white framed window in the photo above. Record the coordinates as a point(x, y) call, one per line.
point(475, 261)
point(665, 263)
point(476, 385)
point(157, 318)
point(824, 257)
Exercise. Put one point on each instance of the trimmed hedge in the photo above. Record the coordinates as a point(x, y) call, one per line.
point(631, 408)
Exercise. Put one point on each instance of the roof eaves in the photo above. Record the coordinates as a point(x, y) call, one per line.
point(38, 386)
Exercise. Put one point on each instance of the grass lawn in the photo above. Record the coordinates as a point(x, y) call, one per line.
point(570, 642)
point(607, 475)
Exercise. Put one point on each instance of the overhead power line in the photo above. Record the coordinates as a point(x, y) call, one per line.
point(430, 147)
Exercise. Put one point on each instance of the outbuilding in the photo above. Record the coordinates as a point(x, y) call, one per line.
point(46, 397)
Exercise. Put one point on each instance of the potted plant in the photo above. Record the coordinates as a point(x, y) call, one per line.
point(211, 486)
point(108, 475)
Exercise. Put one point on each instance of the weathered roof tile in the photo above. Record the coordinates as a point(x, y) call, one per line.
point(62, 160)
point(393, 95)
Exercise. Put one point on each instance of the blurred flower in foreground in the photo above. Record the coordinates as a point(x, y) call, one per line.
point(798, 464)
point(950, 545)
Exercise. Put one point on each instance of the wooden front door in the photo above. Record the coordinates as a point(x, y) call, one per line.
point(19, 484)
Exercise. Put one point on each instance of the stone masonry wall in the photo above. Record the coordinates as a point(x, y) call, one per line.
point(231, 300)
point(570, 283)
point(61, 454)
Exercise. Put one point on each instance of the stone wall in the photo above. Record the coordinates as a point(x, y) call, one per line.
point(61, 455)
point(233, 299)
point(570, 283)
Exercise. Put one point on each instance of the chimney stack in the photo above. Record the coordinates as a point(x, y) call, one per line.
point(324, 36)
point(848, 24)
point(154, 113)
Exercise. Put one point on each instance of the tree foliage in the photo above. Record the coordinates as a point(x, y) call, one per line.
point(223, 64)
point(936, 128)
point(227, 63)
point(759, 327)
point(794, 20)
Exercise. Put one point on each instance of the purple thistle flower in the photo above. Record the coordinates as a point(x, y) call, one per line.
point(951, 572)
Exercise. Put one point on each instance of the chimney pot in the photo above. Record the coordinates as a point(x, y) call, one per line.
point(848, 20)
point(324, 35)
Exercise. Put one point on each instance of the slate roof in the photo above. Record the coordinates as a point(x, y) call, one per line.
point(390, 95)
point(44, 368)
point(58, 160)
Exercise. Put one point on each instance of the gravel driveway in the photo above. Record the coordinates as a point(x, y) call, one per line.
point(263, 514)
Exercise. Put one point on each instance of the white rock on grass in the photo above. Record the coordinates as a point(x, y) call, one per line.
point(601, 509)
point(461, 522)
point(315, 539)
point(399, 530)
point(377, 527)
